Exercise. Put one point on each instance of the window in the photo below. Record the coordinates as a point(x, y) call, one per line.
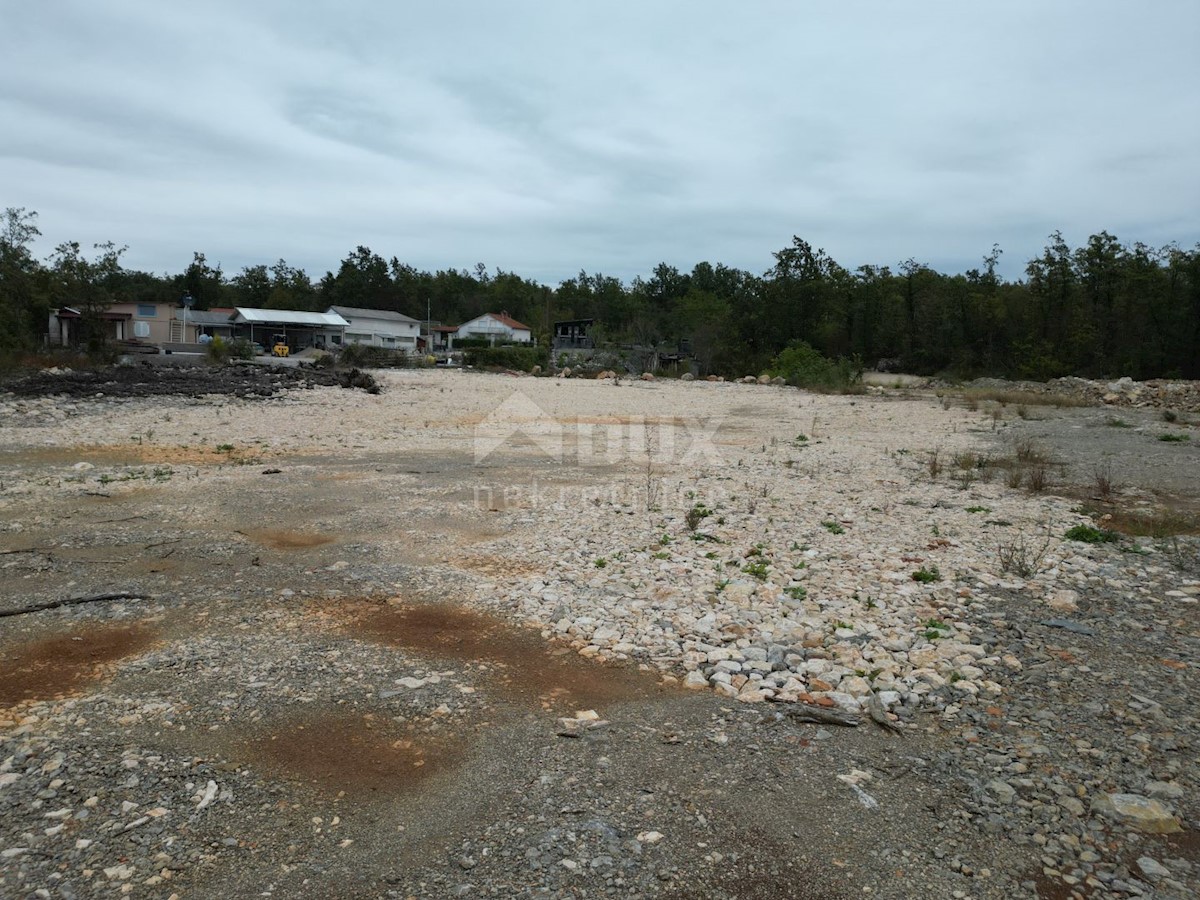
point(141, 329)
point(147, 310)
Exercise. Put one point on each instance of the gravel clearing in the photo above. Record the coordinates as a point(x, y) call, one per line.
point(494, 636)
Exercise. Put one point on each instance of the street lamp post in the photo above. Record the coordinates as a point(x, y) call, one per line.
point(187, 302)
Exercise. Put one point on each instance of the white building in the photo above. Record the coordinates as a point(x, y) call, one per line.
point(497, 328)
point(379, 327)
point(296, 328)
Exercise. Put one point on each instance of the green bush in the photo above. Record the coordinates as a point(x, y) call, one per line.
point(367, 357)
point(217, 350)
point(803, 366)
point(522, 359)
point(239, 348)
point(1087, 534)
point(927, 576)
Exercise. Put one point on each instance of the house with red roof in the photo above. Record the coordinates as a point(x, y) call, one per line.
point(496, 328)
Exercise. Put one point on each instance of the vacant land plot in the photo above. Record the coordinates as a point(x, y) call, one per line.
point(488, 636)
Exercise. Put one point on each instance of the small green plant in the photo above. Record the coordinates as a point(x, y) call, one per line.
point(696, 515)
point(978, 509)
point(600, 562)
point(1174, 438)
point(796, 592)
point(1089, 534)
point(935, 629)
point(664, 540)
point(662, 555)
point(1114, 422)
point(833, 527)
point(757, 569)
point(1169, 415)
point(722, 584)
point(801, 439)
point(927, 576)
point(224, 448)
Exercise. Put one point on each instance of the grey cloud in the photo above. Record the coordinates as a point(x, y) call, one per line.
point(545, 138)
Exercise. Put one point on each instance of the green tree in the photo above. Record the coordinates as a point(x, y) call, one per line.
point(87, 285)
point(23, 312)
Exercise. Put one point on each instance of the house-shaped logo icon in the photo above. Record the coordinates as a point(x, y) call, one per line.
point(518, 415)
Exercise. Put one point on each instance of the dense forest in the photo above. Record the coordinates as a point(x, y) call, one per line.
point(1103, 309)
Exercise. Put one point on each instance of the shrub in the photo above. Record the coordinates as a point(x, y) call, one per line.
point(803, 366)
point(756, 568)
point(1174, 438)
point(520, 358)
point(217, 350)
point(1089, 534)
point(1022, 557)
point(696, 515)
point(368, 357)
point(239, 348)
point(927, 576)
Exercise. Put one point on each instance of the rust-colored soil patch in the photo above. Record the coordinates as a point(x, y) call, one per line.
point(345, 753)
point(282, 539)
point(524, 665)
point(67, 663)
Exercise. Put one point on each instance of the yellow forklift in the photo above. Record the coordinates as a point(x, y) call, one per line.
point(279, 345)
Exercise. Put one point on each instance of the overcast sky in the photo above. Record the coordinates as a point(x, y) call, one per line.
point(545, 137)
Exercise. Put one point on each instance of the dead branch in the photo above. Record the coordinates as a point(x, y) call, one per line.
point(70, 601)
point(879, 715)
point(805, 712)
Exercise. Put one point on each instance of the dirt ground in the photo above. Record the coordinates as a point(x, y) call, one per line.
point(322, 689)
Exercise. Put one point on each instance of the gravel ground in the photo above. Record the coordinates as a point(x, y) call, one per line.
point(507, 637)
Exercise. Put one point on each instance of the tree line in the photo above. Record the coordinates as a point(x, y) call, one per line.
point(1106, 308)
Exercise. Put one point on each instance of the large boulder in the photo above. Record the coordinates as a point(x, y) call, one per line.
point(1136, 811)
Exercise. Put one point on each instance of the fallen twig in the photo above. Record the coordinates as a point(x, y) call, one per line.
point(26, 550)
point(806, 712)
point(70, 601)
point(879, 715)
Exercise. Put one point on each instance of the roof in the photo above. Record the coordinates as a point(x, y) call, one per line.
point(445, 329)
point(70, 312)
point(508, 320)
point(353, 311)
point(502, 318)
point(289, 317)
point(208, 316)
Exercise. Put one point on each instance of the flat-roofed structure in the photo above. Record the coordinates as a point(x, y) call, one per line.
point(297, 328)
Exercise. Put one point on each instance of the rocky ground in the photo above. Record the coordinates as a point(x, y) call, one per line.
point(493, 636)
